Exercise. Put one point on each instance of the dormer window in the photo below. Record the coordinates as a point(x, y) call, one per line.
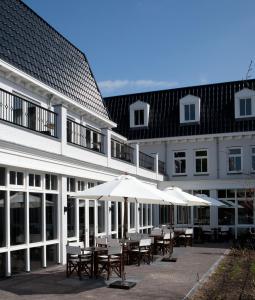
point(245, 104)
point(139, 117)
point(245, 107)
point(139, 114)
point(189, 109)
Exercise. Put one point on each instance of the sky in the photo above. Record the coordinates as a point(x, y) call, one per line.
point(144, 45)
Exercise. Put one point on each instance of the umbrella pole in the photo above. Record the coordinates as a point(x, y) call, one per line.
point(125, 217)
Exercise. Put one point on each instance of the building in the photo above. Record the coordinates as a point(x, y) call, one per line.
point(205, 135)
point(56, 137)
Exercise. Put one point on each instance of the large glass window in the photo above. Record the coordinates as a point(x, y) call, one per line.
point(18, 261)
point(2, 176)
point(201, 161)
point(35, 217)
point(36, 258)
point(113, 215)
point(70, 217)
point(189, 112)
point(82, 220)
point(139, 117)
point(51, 216)
point(17, 218)
point(132, 215)
point(2, 219)
point(245, 211)
point(180, 162)
point(145, 214)
point(226, 214)
point(245, 107)
point(252, 159)
point(101, 216)
point(149, 215)
point(183, 215)
point(16, 178)
point(235, 160)
point(2, 264)
point(164, 214)
point(51, 255)
point(201, 215)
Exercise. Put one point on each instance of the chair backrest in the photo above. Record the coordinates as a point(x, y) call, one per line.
point(166, 230)
point(189, 231)
point(76, 244)
point(114, 250)
point(113, 242)
point(166, 236)
point(101, 241)
point(172, 234)
point(224, 228)
point(144, 242)
point(179, 229)
point(156, 231)
point(74, 250)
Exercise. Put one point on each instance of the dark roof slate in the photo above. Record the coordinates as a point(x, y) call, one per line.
point(217, 111)
point(33, 46)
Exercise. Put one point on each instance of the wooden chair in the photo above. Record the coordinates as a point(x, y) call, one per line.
point(101, 242)
point(187, 237)
point(164, 245)
point(142, 252)
point(78, 261)
point(224, 233)
point(112, 262)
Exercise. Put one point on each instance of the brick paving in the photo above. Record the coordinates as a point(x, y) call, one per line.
point(160, 280)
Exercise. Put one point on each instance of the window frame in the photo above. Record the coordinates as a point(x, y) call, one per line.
point(34, 181)
point(140, 115)
point(189, 112)
point(235, 156)
point(178, 158)
point(245, 107)
point(16, 178)
point(201, 159)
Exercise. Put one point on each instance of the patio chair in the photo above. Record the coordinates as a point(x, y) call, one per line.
point(156, 231)
point(142, 253)
point(208, 233)
point(112, 262)
point(164, 245)
point(187, 237)
point(224, 233)
point(101, 242)
point(78, 261)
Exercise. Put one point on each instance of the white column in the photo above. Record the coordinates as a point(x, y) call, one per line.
point(136, 158)
point(156, 164)
point(63, 218)
point(7, 230)
point(87, 223)
point(27, 231)
point(77, 219)
point(61, 125)
point(213, 211)
point(107, 144)
point(44, 263)
point(108, 218)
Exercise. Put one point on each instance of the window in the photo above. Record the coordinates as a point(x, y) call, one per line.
point(51, 182)
point(245, 107)
point(235, 160)
point(35, 217)
point(201, 161)
point(2, 219)
point(139, 114)
point(201, 215)
point(180, 162)
point(81, 185)
point(70, 217)
point(91, 185)
point(34, 180)
point(189, 112)
point(51, 216)
point(183, 215)
point(16, 178)
point(2, 176)
point(139, 117)
point(101, 216)
point(252, 159)
point(17, 218)
point(189, 109)
point(132, 214)
point(70, 184)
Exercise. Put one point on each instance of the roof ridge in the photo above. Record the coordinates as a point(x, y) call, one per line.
point(179, 88)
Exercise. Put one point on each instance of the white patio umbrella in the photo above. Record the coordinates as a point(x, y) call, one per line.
point(126, 189)
point(190, 200)
point(212, 201)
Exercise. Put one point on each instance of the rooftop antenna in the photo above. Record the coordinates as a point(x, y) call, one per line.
point(249, 71)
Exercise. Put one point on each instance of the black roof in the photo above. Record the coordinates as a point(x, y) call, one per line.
point(30, 44)
point(217, 111)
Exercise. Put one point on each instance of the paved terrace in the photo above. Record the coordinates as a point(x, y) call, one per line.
point(160, 280)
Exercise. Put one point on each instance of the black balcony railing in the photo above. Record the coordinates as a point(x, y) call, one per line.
point(161, 167)
point(24, 113)
point(122, 151)
point(84, 136)
point(146, 161)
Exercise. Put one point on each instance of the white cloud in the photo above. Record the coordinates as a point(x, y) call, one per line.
point(112, 85)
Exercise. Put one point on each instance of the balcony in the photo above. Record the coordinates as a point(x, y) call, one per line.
point(122, 151)
point(146, 161)
point(161, 167)
point(84, 136)
point(26, 114)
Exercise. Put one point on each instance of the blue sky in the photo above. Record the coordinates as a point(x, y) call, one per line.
point(143, 45)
